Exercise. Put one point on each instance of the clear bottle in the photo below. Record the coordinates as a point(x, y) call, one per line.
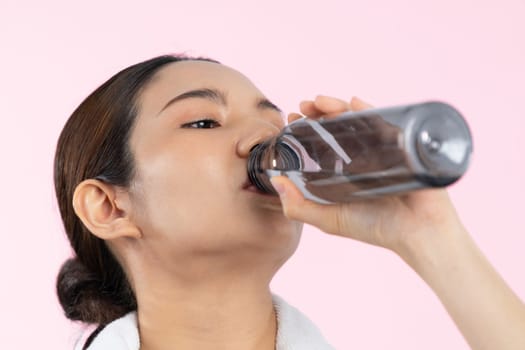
point(369, 153)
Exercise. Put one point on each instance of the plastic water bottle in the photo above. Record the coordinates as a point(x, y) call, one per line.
point(370, 153)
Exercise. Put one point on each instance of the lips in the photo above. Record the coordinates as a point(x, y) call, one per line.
point(249, 186)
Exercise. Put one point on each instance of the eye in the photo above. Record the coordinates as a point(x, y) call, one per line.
point(202, 124)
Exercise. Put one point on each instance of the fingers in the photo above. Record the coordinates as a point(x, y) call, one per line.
point(324, 106)
point(296, 207)
point(293, 117)
point(331, 104)
point(309, 109)
point(356, 104)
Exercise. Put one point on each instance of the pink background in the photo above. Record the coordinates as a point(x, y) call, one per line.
point(469, 53)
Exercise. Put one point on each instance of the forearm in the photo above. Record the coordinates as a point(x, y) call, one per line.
point(487, 312)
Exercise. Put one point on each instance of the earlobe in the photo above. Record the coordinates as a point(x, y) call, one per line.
point(94, 203)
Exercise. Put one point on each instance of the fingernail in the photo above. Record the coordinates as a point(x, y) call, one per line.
point(278, 186)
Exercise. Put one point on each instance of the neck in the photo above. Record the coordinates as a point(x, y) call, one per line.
point(206, 305)
point(218, 317)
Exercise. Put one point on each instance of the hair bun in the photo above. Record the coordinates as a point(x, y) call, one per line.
point(83, 297)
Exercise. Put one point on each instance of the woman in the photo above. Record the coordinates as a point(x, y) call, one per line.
point(174, 247)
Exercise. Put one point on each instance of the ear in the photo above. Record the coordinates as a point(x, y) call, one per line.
point(96, 204)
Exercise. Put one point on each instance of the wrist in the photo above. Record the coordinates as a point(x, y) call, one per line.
point(435, 249)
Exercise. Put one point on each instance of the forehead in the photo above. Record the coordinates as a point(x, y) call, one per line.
point(180, 77)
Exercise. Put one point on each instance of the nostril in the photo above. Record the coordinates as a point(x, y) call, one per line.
point(255, 146)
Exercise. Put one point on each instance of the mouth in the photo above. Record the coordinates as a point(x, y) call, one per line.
point(263, 199)
point(250, 187)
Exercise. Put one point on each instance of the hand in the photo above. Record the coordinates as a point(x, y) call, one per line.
point(401, 223)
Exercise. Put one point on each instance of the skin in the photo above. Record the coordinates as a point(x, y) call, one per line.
point(200, 249)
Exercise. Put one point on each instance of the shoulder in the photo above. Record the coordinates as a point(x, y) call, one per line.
point(121, 334)
point(295, 330)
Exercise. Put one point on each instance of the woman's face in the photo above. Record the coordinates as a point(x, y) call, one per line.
point(196, 124)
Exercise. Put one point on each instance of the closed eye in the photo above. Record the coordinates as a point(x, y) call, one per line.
point(202, 124)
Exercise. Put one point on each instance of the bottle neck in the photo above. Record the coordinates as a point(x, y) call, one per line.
point(256, 168)
point(271, 155)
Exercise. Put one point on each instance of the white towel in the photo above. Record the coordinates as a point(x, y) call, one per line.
point(294, 332)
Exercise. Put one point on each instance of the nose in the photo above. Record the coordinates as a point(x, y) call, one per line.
point(254, 133)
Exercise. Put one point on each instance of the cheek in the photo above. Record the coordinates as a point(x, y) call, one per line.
point(185, 192)
point(191, 200)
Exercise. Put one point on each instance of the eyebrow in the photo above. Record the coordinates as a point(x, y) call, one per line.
point(264, 103)
point(217, 96)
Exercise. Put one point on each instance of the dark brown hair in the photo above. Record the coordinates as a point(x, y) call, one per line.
point(92, 286)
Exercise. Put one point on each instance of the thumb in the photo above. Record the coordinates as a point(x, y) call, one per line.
point(296, 207)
